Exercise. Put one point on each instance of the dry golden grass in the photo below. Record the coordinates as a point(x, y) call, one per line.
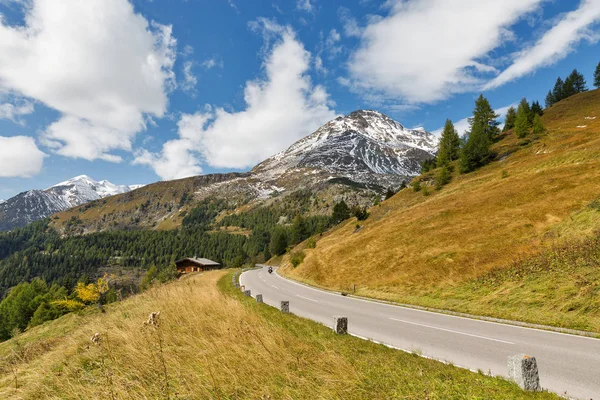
point(413, 245)
point(218, 344)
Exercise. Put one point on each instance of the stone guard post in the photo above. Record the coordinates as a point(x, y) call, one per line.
point(259, 298)
point(247, 293)
point(340, 325)
point(285, 306)
point(523, 370)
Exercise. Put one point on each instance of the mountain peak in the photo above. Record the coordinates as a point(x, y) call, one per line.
point(362, 146)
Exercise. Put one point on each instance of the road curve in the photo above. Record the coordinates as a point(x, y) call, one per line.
point(568, 364)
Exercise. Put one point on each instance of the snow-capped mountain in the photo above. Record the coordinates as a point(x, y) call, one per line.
point(34, 205)
point(82, 189)
point(365, 146)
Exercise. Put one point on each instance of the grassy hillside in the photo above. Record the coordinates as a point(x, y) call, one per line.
point(438, 249)
point(217, 344)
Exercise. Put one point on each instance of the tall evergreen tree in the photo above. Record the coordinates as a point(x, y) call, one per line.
point(522, 122)
point(484, 127)
point(550, 100)
point(279, 242)
point(597, 76)
point(536, 108)
point(558, 91)
point(341, 212)
point(449, 145)
point(509, 122)
point(484, 115)
point(577, 82)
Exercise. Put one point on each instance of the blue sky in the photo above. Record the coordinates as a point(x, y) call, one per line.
point(138, 91)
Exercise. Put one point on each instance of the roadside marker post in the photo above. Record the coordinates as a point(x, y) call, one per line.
point(247, 293)
point(340, 325)
point(285, 306)
point(523, 370)
point(259, 298)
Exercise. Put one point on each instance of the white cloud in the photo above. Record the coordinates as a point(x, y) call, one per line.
point(213, 62)
point(304, 5)
point(331, 43)
point(426, 50)
point(280, 109)
point(14, 111)
point(554, 45)
point(349, 23)
point(189, 79)
point(20, 157)
point(462, 125)
point(103, 67)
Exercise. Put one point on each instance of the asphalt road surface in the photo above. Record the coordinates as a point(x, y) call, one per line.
point(567, 364)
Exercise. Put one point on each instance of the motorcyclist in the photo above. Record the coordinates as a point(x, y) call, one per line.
point(270, 270)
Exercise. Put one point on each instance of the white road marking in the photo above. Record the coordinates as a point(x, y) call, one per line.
point(306, 298)
point(275, 287)
point(452, 331)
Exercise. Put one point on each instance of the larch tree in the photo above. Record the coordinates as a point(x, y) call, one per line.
point(509, 121)
point(522, 122)
point(449, 145)
point(538, 126)
point(597, 76)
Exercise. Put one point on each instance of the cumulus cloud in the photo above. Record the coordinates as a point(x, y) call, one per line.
point(426, 50)
point(281, 108)
point(13, 112)
point(554, 45)
point(101, 65)
point(20, 157)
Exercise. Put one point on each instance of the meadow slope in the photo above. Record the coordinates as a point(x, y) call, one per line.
point(214, 343)
point(502, 241)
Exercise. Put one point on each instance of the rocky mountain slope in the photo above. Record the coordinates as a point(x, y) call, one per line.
point(34, 205)
point(354, 158)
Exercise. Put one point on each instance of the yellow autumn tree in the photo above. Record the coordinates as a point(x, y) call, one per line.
point(91, 292)
point(86, 294)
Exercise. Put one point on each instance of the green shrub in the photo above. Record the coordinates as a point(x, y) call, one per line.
point(311, 243)
point(297, 257)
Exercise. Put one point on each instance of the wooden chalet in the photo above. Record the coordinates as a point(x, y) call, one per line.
point(187, 265)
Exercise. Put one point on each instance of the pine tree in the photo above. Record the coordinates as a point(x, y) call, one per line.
point(449, 145)
point(389, 193)
point(536, 108)
point(522, 121)
point(279, 242)
point(484, 115)
point(597, 76)
point(577, 82)
point(484, 127)
point(550, 100)
point(538, 126)
point(341, 212)
point(558, 91)
point(443, 177)
point(509, 121)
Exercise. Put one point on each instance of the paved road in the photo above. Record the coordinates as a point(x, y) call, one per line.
point(567, 363)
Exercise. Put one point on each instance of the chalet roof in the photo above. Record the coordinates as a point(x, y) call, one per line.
point(200, 261)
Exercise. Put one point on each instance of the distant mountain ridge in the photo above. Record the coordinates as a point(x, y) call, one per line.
point(34, 205)
point(354, 158)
